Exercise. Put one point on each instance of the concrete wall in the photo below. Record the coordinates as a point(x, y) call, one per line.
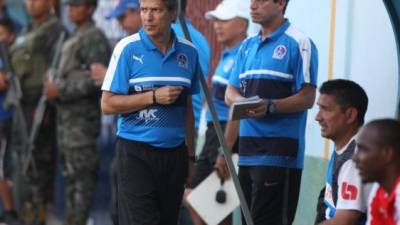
point(364, 51)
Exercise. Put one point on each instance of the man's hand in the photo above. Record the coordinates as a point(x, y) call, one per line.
point(50, 90)
point(168, 94)
point(190, 171)
point(260, 110)
point(185, 195)
point(3, 82)
point(97, 73)
point(221, 167)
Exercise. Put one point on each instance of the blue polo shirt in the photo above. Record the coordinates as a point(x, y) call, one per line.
point(203, 48)
point(138, 66)
point(4, 114)
point(220, 81)
point(275, 68)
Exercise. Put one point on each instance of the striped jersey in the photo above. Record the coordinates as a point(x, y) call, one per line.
point(344, 189)
point(274, 68)
point(138, 66)
point(384, 208)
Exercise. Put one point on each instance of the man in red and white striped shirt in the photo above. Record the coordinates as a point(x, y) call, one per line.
point(378, 159)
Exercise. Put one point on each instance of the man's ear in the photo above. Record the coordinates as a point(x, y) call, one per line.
point(282, 4)
point(351, 114)
point(388, 153)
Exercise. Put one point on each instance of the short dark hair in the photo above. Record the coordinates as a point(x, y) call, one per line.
point(7, 24)
point(347, 94)
point(388, 132)
point(172, 4)
point(284, 8)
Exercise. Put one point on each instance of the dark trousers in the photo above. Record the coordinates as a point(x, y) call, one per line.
point(271, 193)
point(150, 183)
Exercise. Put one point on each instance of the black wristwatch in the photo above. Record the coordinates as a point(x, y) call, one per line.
point(271, 107)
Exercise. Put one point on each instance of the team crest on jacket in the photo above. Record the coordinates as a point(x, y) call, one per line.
point(182, 60)
point(279, 52)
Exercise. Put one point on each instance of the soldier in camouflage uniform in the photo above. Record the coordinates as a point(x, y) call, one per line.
point(78, 108)
point(30, 56)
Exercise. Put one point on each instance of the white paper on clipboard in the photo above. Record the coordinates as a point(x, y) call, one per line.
point(202, 198)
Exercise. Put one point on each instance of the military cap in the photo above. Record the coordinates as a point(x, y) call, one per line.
point(78, 2)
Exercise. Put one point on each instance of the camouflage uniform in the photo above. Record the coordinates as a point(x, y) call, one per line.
point(78, 118)
point(30, 57)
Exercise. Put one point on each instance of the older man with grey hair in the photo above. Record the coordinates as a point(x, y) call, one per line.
point(149, 83)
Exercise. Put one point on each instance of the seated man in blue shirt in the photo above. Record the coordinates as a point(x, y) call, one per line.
point(149, 83)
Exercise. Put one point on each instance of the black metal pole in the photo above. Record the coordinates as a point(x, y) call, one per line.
point(218, 129)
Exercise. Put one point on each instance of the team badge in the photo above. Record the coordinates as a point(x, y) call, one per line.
point(279, 52)
point(182, 60)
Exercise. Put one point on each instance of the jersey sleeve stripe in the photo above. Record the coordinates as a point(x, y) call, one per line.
point(305, 50)
point(115, 59)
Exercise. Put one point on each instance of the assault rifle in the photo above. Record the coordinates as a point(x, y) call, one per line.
point(41, 106)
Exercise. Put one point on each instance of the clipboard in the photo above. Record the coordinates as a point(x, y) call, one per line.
point(202, 198)
point(238, 110)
